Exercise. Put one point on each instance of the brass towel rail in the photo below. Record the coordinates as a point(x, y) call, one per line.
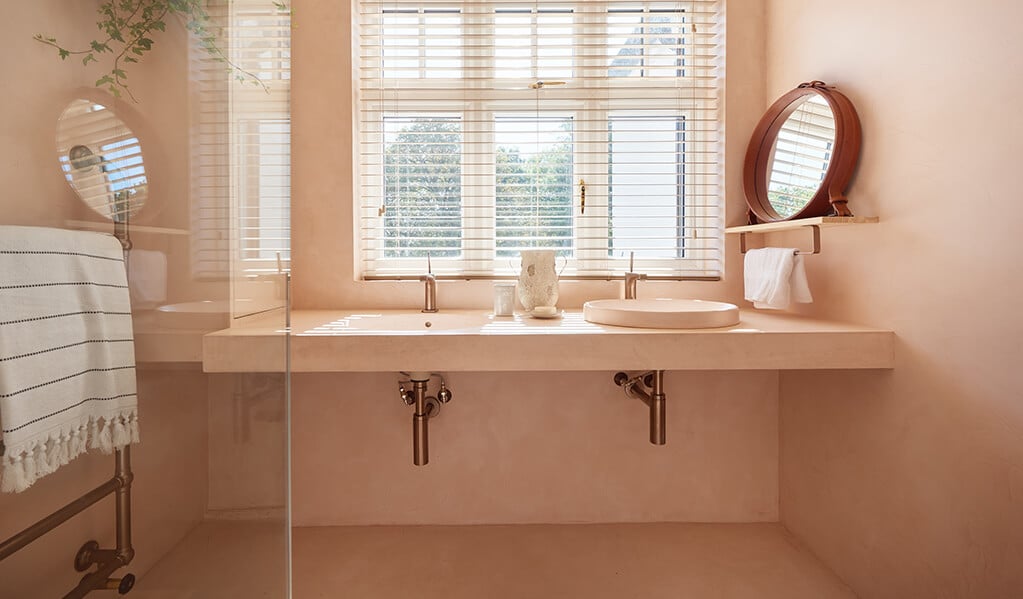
point(106, 560)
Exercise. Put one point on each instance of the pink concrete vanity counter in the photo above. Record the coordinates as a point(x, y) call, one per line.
point(361, 340)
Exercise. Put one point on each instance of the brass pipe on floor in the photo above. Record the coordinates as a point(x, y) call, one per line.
point(100, 579)
point(109, 560)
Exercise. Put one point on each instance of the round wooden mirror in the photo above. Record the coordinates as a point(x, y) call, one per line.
point(101, 158)
point(802, 155)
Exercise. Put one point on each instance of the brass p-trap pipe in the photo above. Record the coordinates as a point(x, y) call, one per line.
point(426, 407)
point(648, 388)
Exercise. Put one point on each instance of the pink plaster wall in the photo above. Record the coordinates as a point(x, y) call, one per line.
point(556, 447)
point(535, 448)
point(171, 462)
point(909, 483)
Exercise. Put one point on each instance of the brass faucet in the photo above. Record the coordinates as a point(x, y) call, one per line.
point(430, 301)
point(631, 279)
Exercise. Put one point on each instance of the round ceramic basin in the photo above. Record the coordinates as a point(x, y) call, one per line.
point(661, 313)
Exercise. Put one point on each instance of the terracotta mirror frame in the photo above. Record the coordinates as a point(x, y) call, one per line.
point(830, 199)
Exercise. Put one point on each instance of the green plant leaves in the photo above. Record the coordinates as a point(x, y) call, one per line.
point(128, 25)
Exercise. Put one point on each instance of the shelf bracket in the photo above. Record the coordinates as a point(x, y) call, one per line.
point(816, 241)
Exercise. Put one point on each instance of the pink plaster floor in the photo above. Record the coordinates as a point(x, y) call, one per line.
point(228, 560)
point(220, 560)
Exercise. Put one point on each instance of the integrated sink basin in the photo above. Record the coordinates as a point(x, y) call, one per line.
point(403, 323)
point(661, 313)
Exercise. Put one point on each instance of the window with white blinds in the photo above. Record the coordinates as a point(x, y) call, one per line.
point(242, 147)
point(587, 127)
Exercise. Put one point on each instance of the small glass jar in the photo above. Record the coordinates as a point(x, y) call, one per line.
point(504, 299)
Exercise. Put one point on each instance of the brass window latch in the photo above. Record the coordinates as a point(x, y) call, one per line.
point(582, 196)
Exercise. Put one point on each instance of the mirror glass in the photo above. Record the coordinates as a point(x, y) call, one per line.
point(101, 158)
point(801, 155)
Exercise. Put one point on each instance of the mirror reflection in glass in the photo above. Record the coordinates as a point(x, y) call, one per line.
point(101, 158)
point(800, 156)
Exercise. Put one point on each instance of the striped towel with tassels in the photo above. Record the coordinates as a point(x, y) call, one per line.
point(67, 357)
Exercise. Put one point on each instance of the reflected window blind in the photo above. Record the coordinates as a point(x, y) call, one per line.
point(587, 127)
point(241, 143)
point(801, 156)
point(109, 176)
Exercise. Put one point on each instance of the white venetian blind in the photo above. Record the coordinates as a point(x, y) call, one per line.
point(588, 127)
point(241, 142)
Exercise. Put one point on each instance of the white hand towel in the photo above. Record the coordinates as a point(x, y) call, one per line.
point(775, 277)
point(67, 358)
point(147, 278)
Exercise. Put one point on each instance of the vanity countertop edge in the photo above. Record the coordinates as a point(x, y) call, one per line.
point(759, 342)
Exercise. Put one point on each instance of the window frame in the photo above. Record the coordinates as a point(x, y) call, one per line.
point(479, 106)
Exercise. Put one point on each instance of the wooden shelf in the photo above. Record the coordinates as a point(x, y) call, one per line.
point(108, 227)
point(789, 225)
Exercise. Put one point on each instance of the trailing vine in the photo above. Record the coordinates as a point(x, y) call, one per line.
point(127, 27)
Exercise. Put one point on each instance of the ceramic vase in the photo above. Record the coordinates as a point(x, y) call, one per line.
point(538, 280)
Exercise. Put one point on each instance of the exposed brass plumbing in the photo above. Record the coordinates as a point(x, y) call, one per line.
point(426, 407)
point(648, 388)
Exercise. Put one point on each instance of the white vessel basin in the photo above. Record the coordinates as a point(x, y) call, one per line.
point(661, 313)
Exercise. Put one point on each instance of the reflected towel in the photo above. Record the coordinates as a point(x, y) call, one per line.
point(147, 278)
point(775, 277)
point(67, 358)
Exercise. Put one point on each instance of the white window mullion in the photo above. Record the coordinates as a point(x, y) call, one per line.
point(592, 225)
point(703, 245)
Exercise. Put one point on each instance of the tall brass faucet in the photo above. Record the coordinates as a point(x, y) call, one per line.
point(631, 279)
point(430, 301)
